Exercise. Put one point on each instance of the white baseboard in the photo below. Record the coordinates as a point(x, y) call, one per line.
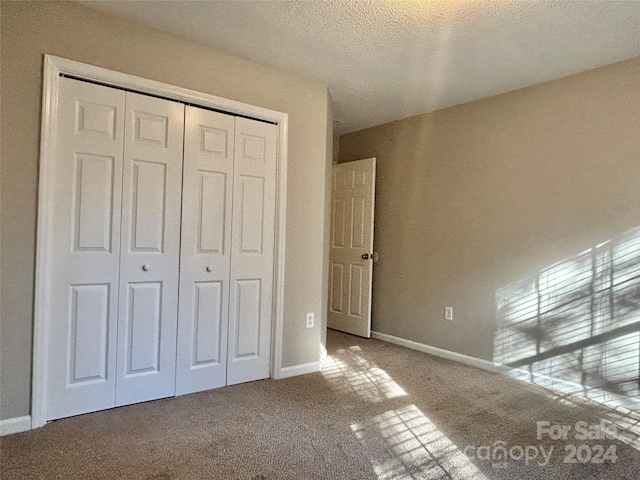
point(556, 384)
point(15, 425)
point(440, 352)
point(296, 370)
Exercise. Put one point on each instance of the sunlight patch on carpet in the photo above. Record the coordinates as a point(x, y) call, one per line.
point(352, 374)
point(416, 447)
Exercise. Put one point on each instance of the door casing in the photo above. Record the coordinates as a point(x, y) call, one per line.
point(54, 67)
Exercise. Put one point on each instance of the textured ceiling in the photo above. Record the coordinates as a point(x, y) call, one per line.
point(384, 60)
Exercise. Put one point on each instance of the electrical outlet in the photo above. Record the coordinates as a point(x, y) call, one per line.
point(310, 320)
point(448, 313)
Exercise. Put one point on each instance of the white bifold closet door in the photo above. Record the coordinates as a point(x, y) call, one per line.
point(227, 252)
point(114, 249)
point(252, 251)
point(161, 248)
point(84, 249)
point(205, 259)
point(150, 249)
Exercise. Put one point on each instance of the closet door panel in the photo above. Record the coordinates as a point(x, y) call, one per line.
point(84, 249)
point(143, 322)
point(252, 247)
point(205, 250)
point(149, 262)
point(248, 296)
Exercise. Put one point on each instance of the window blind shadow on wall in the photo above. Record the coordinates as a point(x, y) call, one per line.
point(577, 321)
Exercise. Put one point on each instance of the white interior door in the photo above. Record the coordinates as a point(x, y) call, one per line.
point(150, 252)
point(350, 256)
point(84, 249)
point(205, 251)
point(252, 251)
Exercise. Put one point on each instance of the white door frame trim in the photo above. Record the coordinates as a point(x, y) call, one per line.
point(53, 67)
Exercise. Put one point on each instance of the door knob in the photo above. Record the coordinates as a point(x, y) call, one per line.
point(365, 256)
point(146, 268)
point(208, 269)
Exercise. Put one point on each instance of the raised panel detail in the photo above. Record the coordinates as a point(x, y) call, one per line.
point(211, 226)
point(93, 203)
point(148, 209)
point(251, 211)
point(247, 321)
point(339, 180)
point(143, 321)
point(339, 218)
point(355, 290)
point(150, 129)
point(214, 141)
point(253, 148)
point(357, 222)
point(207, 327)
point(95, 119)
point(88, 333)
point(360, 179)
point(337, 275)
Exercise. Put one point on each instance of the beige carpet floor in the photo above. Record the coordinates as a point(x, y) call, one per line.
point(376, 411)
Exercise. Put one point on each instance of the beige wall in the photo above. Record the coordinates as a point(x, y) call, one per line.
point(475, 197)
point(28, 30)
